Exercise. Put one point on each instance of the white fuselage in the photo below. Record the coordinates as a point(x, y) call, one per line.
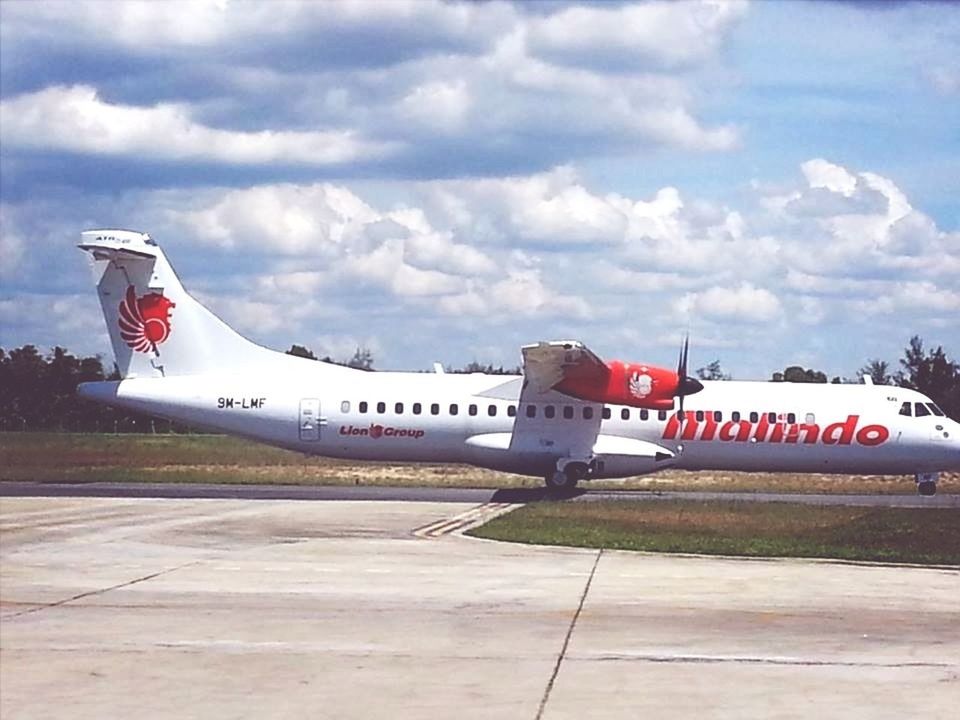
point(479, 419)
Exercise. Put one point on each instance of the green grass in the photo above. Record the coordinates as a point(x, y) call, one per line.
point(66, 457)
point(901, 535)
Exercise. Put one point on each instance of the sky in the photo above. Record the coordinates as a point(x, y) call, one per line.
point(447, 181)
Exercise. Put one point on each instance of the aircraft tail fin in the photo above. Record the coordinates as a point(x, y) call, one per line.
point(156, 328)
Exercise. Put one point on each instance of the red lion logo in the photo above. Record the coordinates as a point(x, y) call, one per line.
point(144, 322)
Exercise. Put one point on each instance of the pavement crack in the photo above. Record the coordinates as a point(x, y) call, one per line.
point(100, 591)
point(566, 640)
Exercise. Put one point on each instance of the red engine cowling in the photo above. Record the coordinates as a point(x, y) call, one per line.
point(634, 384)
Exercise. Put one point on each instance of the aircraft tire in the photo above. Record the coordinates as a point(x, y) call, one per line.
point(927, 487)
point(560, 481)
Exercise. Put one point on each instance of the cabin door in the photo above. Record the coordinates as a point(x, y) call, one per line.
point(310, 420)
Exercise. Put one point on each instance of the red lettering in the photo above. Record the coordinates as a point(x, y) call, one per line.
point(377, 431)
point(811, 431)
point(777, 434)
point(737, 430)
point(872, 435)
point(841, 433)
point(762, 427)
point(690, 427)
point(709, 428)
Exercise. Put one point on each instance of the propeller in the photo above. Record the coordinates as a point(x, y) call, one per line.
point(686, 385)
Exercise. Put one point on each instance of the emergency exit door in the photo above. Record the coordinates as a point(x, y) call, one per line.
point(310, 420)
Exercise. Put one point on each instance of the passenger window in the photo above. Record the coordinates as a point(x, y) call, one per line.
point(381, 407)
point(531, 411)
point(735, 416)
point(417, 408)
point(754, 416)
point(472, 410)
point(771, 418)
point(588, 413)
point(906, 409)
point(699, 415)
point(661, 415)
point(625, 414)
point(644, 414)
point(920, 410)
point(345, 407)
point(568, 412)
point(454, 408)
point(492, 410)
point(717, 416)
point(791, 418)
point(549, 411)
point(398, 408)
point(435, 409)
point(811, 419)
point(362, 406)
point(936, 411)
point(511, 410)
point(606, 413)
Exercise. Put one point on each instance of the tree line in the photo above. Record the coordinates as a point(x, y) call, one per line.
point(38, 392)
point(932, 373)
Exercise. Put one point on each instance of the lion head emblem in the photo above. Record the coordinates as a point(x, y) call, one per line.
point(145, 321)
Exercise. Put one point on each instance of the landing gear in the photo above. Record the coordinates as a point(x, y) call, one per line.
point(565, 478)
point(926, 483)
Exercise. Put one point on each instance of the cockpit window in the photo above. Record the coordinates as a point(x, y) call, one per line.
point(920, 410)
point(935, 410)
point(905, 409)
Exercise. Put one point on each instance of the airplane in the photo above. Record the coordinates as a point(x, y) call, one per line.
point(569, 417)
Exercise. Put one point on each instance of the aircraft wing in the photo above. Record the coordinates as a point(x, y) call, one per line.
point(546, 364)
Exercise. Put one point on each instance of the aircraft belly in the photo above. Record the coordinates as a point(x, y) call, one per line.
point(800, 458)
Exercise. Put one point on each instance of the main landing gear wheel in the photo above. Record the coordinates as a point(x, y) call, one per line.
point(565, 481)
point(560, 481)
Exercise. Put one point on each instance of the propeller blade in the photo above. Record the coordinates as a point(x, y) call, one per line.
point(686, 385)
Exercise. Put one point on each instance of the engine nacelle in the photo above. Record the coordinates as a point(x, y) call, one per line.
point(634, 384)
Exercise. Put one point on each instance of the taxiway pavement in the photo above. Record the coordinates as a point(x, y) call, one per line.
point(226, 608)
point(29, 488)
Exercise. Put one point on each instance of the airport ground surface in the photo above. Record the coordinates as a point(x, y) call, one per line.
point(217, 608)
point(12, 488)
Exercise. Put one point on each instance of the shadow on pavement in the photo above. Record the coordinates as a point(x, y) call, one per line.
point(526, 495)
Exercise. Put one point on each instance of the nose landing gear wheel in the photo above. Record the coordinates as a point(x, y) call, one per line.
point(928, 487)
point(927, 483)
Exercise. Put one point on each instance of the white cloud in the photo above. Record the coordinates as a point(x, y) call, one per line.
point(658, 34)
point(321, 219)
point(548, 255)
point(822, 174)
point(150, 26)
point(386, 265)
point(521, 294)
point(551, 208)
point(744, 303)
point(856, 224)
point(76, 119)
point(442, 106)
